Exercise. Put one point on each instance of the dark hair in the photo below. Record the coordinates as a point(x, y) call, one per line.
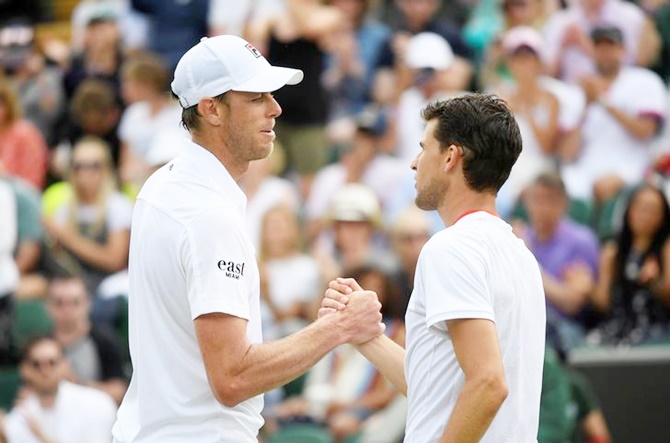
point(92, 96)
point(484, 126)
point(625, 239)
point(32, 342)
point(392, 307)
point(190, 117)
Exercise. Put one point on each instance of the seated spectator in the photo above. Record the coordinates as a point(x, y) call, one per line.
point(416, 17)
point(430, 60)
point(344, 390)
point(410, 231)
point(568, 256)
point(93, 352)
point(151, 111)
point(626, 109)
point(536, 110)
point(360, 162)
point(94, 111)
point(354, 237)
point(570, 51)
point(89, 235)
point(21, 208)
point(23, 151)
point(633, 289)
point(101, 56)
point(265, 190)
point(290, 280)
point(53, 409)
point(39, 84)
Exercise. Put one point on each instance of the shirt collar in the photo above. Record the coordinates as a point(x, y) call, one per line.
point(215, 172)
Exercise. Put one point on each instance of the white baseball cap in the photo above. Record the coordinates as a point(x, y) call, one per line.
point(429, 50)
point(522, 37)
point(226, 63)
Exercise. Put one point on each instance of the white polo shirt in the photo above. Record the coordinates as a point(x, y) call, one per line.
point(476, 268)
point(190, 255)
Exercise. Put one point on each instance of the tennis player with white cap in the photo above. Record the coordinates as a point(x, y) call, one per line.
point(199, 364)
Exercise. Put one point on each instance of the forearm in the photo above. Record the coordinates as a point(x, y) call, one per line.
point(639, 127)
point(389, 358)
point(477, 405)
point(561, 296)
point(101, 256)
point(269, 365)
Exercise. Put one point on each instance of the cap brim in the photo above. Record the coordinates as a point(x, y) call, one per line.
point(271, 79)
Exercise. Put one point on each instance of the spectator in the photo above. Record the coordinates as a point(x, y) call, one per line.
point(570, 51)
point(101, 56)
point(295, 38)
point(265, 190)
point(360, 162)
point(430, 60)
point(410, 231)
point(420, 16)
point(536, 110)
point(94, 354)
point(23, 151)
point(290, 280)
point(151, 111)
point(53, 409)
point(39, 84)
point(90, 233)
point(352, 60)
point(633, 289)
point(568, 256)
point(173, 27)
point(354, 239)
point(95, 112)
point(626, 108)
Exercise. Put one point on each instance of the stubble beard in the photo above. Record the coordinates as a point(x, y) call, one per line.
point(428, 198)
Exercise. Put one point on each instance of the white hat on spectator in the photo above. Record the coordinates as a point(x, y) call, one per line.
point(429, 50)
point(226, 63)
point(355, 202)
point(522, 37)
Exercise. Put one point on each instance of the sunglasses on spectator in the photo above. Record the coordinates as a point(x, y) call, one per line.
point(49, 363)
point(91, 166)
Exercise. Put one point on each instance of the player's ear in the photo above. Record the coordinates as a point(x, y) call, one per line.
point(451, 157)
point(209, 111)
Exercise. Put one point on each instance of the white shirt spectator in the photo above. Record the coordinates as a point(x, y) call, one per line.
point(80, 415)
point(383, 175)
point(118, 213)
point(138, 127)
point(272, 192)
point(230, 16)
point(607, 148)
point(575, 63)
point(9, 273)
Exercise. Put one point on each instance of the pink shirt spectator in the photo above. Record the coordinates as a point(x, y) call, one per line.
point(572, 61)
point(23, 152)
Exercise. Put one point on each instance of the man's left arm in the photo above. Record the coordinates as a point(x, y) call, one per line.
point(476, 346)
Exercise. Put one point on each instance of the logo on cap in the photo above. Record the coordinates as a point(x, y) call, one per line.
point(253, 50)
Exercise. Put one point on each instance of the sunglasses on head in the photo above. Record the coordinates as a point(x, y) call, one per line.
point(91, 166)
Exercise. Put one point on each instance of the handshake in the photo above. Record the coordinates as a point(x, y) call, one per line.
point(358, 310)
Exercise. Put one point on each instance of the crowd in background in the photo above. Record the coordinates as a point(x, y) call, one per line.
point(85, 119)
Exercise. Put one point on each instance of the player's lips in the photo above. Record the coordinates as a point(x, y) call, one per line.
point(269, 132)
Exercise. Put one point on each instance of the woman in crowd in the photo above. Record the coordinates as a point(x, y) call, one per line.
point(90, 233)
point(633, 289)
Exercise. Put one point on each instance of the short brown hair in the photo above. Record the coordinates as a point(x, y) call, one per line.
point(190, 117)
point(147, 68)
point(92, 96)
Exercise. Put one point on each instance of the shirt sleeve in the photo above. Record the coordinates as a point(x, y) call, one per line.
point(454, 279)
point(28, 214)
point(219, 261)
point(119, 212)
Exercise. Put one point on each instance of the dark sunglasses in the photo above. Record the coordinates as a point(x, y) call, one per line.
point(91, 166)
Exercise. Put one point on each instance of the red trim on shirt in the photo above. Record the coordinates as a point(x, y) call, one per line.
point(472, 211)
